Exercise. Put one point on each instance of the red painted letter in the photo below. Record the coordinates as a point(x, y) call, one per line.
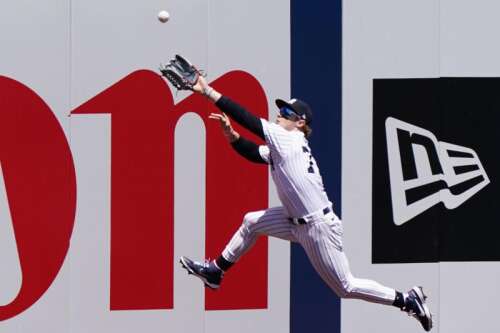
point(39, 177)
point(142, 140)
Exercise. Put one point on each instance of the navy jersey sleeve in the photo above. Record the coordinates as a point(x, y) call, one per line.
point(251, 151)
point(240, 115)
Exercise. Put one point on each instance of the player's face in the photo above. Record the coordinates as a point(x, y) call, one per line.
point(288, 119)
point(285, 123)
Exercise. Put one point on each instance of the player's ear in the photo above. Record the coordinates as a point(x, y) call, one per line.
point(301, 123)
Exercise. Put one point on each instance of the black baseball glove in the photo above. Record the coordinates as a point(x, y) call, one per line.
point(181, 73)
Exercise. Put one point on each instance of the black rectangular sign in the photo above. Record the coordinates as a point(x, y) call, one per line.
point(435, 164)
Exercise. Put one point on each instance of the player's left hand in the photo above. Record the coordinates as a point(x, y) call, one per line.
point(200, 85)
point(225, 124)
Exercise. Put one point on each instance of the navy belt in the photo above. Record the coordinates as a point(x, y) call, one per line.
point(301, 220)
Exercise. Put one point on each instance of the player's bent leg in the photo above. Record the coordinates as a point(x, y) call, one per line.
point(272, 222)
point(243, 239)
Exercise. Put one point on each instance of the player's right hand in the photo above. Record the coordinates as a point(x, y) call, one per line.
point(225, 124)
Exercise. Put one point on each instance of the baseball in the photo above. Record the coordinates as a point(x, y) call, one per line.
point(163, 16)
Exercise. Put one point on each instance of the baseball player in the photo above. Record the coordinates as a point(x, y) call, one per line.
point(306, 217)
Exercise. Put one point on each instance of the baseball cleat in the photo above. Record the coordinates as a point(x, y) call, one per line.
point(416, 307)
point(210, 274)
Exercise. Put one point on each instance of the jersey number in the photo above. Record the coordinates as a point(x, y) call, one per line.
point(310, 169)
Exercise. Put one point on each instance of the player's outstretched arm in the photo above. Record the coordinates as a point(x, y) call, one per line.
point(203, 88)
point(246, 148)
point(229, 107)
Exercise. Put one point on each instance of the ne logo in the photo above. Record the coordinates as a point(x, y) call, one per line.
point(424, 171)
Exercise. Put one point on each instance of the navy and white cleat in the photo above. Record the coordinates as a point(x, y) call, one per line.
point(416, 307)
point(210, 274)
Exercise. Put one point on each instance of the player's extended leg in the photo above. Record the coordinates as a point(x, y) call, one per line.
point(272, 222)
point(322, 242)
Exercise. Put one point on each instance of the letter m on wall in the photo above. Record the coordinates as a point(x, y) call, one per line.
point(143, 121)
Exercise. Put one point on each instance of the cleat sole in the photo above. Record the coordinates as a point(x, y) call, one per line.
point(419, 292)
point(191, 272)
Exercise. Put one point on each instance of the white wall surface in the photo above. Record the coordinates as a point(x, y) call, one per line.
point(410, 39)
point(69, 51)
point(468, 33)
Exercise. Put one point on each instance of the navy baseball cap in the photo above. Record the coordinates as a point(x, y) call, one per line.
point(299, 107)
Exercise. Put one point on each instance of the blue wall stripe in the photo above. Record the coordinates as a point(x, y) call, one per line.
point(316, 48)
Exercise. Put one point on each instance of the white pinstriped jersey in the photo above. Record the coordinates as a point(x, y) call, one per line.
point(294, 170)
point(300, 189)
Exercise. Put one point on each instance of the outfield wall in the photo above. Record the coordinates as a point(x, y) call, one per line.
point(416, 61)
point(108, 175)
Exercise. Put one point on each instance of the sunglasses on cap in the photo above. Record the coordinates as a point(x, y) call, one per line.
point(289, 114)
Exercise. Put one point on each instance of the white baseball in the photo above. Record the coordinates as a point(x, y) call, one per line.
point(163, 16)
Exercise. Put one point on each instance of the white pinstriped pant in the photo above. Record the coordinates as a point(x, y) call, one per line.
point(322, 241)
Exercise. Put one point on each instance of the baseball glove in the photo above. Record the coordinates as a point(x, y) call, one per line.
point(181, 73)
